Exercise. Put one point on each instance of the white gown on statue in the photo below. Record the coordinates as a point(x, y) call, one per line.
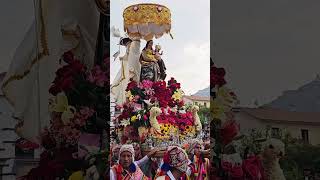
point(130, 68)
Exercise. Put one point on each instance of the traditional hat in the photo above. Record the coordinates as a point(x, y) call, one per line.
point(192, 145)
point(127, 148)
point(176, 157)
point(115, 147)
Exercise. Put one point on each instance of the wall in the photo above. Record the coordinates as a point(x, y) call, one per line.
point(248, 122)
point(189, 101)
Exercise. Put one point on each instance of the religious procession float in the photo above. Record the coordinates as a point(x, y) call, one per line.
point(150, 111)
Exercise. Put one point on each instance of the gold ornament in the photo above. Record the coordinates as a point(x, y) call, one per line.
point(146, 21)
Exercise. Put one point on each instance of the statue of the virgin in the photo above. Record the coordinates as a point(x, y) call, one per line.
point(129, 69)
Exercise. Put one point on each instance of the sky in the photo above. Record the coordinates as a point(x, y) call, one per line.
point(266, 47)
point(187, 56)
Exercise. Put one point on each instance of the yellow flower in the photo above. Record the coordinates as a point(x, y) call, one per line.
point(223, 94)
point(60, 104)
point(133, 118)
point(129, 96)
point(218, 109)
point(177, 95)
point(77, 176)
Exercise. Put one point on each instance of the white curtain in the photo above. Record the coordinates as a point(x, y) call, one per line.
point(59, 26)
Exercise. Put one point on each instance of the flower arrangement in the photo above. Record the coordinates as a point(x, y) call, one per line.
point(79, 109)
point(141, 97)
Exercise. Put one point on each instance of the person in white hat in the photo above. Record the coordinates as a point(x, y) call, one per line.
point(128, 169)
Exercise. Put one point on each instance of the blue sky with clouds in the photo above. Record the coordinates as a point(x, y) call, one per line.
point(187, 56)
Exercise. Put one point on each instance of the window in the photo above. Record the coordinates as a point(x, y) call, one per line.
point(275, 133)
point(205, 104)
point(305, 135)
point(196, 103)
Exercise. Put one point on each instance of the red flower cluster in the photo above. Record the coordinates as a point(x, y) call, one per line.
point(65, 76)
point(234, 171)
point(253, 168)
point(173, 84)
point(131, 85)
point(250, 169)
point(229, 131)
point(126, 113)
point(217, 76)
point(51, 165)
point(180, 120)
point(97, 76)
point(163, 94)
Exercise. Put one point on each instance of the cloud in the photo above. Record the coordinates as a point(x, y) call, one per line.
point(193, 69)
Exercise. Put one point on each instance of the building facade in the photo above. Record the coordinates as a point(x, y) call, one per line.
point(304, 126)
point(295, 111)
point(201, 101)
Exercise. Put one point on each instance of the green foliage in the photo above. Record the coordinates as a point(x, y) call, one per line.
point(301, 156)
point(204, 114)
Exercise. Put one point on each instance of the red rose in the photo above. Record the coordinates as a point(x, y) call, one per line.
point(63, 72)
point(54, 90)
point(68, 57)
point(77, 67)
point(172, 81)
point(131, 85)
point(66, 83)
point(253, 167)
point(217, 76)
point(229, 131)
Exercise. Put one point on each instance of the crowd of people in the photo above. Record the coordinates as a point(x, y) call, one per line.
point(179, 162)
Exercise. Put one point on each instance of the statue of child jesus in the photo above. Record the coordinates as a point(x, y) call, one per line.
point(160, 62)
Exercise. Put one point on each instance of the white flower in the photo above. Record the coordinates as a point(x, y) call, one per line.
point(125, 122)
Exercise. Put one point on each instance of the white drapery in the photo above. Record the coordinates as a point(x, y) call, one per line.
point(129, 68)
point(59, 26)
